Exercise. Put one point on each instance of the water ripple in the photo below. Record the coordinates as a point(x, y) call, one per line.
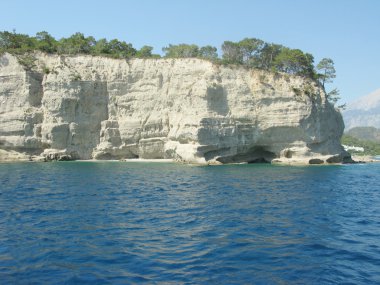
point(123, 223)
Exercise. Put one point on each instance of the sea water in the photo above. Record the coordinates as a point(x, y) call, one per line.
point(127, 223)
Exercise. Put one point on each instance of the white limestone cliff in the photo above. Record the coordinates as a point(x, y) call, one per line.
point(190, 110)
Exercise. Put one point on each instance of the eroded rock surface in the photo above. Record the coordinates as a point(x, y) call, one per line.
point(188, 110)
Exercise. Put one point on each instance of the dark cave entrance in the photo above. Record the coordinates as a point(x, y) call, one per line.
point(260, 155)
point(256, 154)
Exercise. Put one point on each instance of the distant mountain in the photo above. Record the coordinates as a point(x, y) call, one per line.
point(364, 112)
point(365, 133)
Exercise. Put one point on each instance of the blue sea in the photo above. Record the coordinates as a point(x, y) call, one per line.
point(157, 223)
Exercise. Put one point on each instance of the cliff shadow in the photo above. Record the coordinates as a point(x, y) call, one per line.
point(93, 107)
point(34, 80)
point(217, 102)
point(4, 61)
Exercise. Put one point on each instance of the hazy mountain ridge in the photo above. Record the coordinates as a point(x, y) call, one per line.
point(364, 112)
point(365, 133)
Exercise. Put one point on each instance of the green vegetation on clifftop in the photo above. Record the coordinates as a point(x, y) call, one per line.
point(249, 52)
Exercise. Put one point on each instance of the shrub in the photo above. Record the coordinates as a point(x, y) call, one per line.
point(27, 61)
point(297, 91)
point(45, 69)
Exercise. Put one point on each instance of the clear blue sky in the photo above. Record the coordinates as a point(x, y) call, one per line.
point(348, 31)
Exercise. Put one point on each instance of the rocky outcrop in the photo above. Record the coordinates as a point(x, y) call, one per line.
point(190, 110)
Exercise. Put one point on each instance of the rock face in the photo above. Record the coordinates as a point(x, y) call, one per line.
point(365, 112)
point(190, 110)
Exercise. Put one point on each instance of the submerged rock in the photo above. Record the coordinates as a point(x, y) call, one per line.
point(189, 110)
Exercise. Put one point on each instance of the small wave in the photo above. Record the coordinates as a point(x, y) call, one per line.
point(110, 224)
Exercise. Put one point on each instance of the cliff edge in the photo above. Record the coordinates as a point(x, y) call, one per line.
point(190, 110)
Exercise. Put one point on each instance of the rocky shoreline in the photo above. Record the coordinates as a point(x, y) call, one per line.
point(12, 156)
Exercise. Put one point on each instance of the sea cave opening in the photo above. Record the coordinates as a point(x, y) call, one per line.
point(259, 154)
point(256, 154)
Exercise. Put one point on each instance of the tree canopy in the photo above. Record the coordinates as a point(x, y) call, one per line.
point(186, 50)
point(326, 71)
point(326, 74)
point(77, 43)
point(256, 53)
point(249, 52)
